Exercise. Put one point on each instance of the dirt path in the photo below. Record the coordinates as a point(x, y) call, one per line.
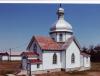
point(94, 73)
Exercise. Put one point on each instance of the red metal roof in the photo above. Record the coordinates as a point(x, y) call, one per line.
point(30, 53)
point(35, 61)
point(46, 43)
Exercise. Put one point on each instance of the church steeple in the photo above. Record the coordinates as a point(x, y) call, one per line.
point(61, 30)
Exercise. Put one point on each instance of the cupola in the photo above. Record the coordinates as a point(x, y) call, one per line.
point(61, 24)
point(61, 28)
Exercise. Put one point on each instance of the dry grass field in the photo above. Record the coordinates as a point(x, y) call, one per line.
point(7, 67)
point(95, 71)
point(13, 67)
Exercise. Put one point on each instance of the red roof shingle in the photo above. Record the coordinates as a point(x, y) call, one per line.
point(35, 61)
point(30, 53)
point(46, 43)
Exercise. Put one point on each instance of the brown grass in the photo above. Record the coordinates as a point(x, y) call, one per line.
point(95, 67)
point(9, 67)
point(14, 66)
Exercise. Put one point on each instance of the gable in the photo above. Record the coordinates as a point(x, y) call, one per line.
point(69, 41)
point(77, 43)
point(73, 46)
point(45, 43)
point(31, 44)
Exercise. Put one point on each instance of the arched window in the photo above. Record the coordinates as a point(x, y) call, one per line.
point(73, 58)
point(54, 59)
point(60, 37)
point(35, 47)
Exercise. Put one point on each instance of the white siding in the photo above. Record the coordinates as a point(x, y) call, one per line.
point(34, 67)
point(5, 57)
point(82, 60)
point(57, 37)
point(68, 36)
point(89, 62)
point(86, 61)
point(48, 60)
point(33, 58)
point(72, 49)
point(14, 58)
point(63, 59)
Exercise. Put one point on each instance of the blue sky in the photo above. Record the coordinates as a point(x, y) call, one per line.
point(19, 22)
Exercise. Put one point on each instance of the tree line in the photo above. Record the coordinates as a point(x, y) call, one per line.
point(94, 52)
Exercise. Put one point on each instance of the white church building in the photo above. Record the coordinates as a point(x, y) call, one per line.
point(59, 51)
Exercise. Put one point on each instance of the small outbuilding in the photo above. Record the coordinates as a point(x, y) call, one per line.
point(30, 61)
point(4, 56)
point(15, 55)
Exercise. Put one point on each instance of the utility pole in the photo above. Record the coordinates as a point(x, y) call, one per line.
point(10, 54)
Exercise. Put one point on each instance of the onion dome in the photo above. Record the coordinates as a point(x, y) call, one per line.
point(61, 24)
